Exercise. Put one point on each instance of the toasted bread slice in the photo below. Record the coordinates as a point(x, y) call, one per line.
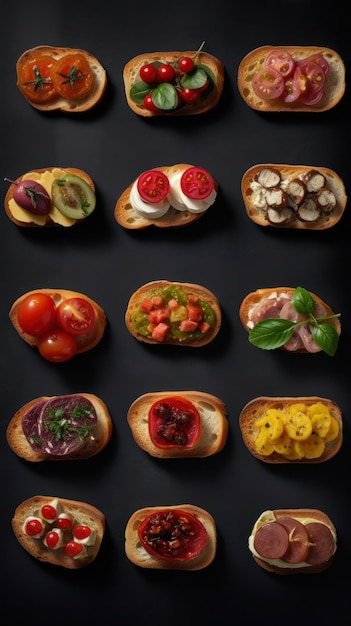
point(254, 61)
point(214, 424)
point(59, 103)
point(257, 209)
point(44, 176)
point(324, 549)
point(20, 445)
point(80, 512)
point(151, 289)
point(137, 554)
point(206, 103)
point(319, 446)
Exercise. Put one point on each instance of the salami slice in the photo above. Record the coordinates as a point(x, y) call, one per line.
point(322, 543)
point(30, 425)
point(298, 540)
point(271, 540)
point(66, 423)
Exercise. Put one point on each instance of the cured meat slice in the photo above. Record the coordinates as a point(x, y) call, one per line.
point(298, 540)
point(322, 544)
point(66, 423)
point(271, 540)
point(30, 425)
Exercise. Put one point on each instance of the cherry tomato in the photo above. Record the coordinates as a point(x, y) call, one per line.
point(149, 103)
point(48, 512)
point(73, 548)
point(36, 314)
point(72, 76)
point(76, 316)
point(282, 61)
point(34, 79)
point(148, 73)
point(196, 183)
point(33, 527)
point(172, 534)
point(165, 73)
point(81, 532)
point(153, 186)
point(57, 346)
point(190, 96)
point(52, 538)
point(186, 64)
point(174, 422)
point(268, 84)
point(63, 522)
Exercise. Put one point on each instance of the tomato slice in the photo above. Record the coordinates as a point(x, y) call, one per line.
point(294, 86)
point(76, 316)
point(57, 346)
point(315, 75)
point(172, 534)
point(34, 79)
point(174, 422)
point(196, 183)
point(268, 84)
point(153, 186)
point(282, 61)
point(72, 76)
point(36, 314)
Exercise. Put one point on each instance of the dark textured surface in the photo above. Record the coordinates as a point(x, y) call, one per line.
point(225, 252)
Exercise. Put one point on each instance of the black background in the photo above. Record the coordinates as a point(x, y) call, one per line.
point(223, 251)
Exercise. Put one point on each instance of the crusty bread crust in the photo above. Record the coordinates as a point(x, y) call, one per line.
point(254, 61)
point(84, 342)
point(20, 445)
point(61, 104)
point(137, 554)
point(148, 289)
point(318, 516)
point(256, 408)
point(258, 215)
point(49, 222)
point(131, 76)
point(214, 424)
point(127, 217)
point(255, 297)
point(86, 514)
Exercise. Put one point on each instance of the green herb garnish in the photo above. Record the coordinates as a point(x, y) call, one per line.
point(273, 333)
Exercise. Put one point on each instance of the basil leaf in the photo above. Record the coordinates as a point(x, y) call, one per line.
point(139, 91)
point(302, 301)
point(165, 97)
point(208, 71)
point(326, 338)
point(271, 333)
point(195, 79)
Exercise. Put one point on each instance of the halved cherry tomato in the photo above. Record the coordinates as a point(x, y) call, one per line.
point(75, 315)
point(268, 84)
point(34, 79)
point(153, 186)
point(57, 346)
point(174, 422)
point(196, 183)
point(36, 314)
point(72, 76)
point(172, 534)
point(148, 73)
point(282, 61)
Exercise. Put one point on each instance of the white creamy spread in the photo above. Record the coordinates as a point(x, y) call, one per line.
point(175, 198)
point(45, 179)
point(268, 516)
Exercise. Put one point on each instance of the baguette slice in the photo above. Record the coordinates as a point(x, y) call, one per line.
point(254, 61)
point(214, 424)
point(44, 176)
point(131, 219)
point(256, 408)
point(20, 445)
point(150, 289)
point(131, 76)
point(301, 515)
point(84, 342)
point(289, 172)
point(255, 298)
point(82, 514)
point(62, 104)
point(137, 554)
